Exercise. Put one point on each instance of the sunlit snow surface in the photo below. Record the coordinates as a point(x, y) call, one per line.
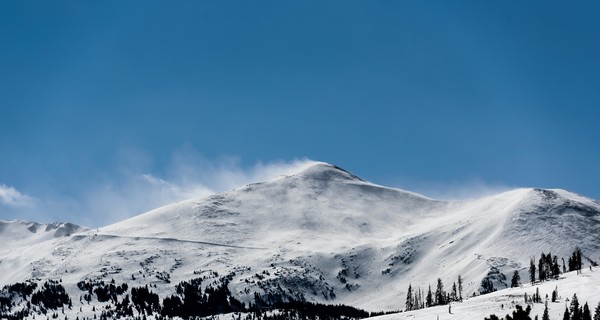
point(322, 224)
point(586, 286)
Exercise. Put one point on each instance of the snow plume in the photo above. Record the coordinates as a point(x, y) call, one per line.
point(10, 196)
point(190, 168)
point(465, 190)
point(187, 175)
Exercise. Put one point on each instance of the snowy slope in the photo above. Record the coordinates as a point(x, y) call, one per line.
point(24, 244)
point(324, 233)
point(503, 302)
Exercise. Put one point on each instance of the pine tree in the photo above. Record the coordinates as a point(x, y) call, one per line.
point(586, 312)
point(409, 298)
point(575, 262)
point(516, 279)
point(541, 268)
point(487, 286)
point(429, 299)
point(578, 261)
point(575, 311)
point(532, 271)
point(460, 288)
point(546, 316)
point(555, 294)
point(555, 268)
point(440, 295)
point(549, 266)
point(597, 312)
point(567, 314)
point(454, 294)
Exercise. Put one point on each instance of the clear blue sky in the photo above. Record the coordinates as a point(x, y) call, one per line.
point(413, 94)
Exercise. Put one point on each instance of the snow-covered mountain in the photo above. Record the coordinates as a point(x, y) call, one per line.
point(322, 235)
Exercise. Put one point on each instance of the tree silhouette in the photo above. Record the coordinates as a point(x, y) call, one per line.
point(546, 316)
point(460, 287)
point(440, 295)
point(409, 298)
point(429, 299)
point(516, 280)
point(520, 314)
point(586, 312)
point(532, 271)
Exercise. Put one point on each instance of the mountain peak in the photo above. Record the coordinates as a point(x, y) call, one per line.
point(549, 196)
point(326, 171)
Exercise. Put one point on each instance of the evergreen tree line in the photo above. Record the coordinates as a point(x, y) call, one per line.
point(517, 314)
point(104, 292)
point(417, 299)
point(308, 311)
point(191, 300)
point(52, 295)
point(575, 311)
point(19, 290)
point(548, 267)
point(575, 262)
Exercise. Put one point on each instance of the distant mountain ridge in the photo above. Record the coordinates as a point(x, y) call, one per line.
point(323, 234)
point(18, 230)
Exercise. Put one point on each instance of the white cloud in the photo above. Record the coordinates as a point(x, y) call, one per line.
point(12, 197)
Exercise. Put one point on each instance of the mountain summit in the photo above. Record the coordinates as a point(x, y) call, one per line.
point(321, 203)
point(324, 235)
point(326, 171)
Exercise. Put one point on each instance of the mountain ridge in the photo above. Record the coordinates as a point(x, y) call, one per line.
point(324, 234)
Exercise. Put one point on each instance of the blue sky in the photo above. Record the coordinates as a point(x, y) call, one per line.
point(111, 108)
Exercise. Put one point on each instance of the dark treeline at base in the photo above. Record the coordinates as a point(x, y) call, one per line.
point(191, 300)
point(309, 310)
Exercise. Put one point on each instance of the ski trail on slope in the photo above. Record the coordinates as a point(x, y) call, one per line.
point(113, 236)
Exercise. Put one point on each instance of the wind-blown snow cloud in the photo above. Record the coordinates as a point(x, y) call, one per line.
point(465, 190)
point(137, 184)
point(135, 188)
point(10, 196)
